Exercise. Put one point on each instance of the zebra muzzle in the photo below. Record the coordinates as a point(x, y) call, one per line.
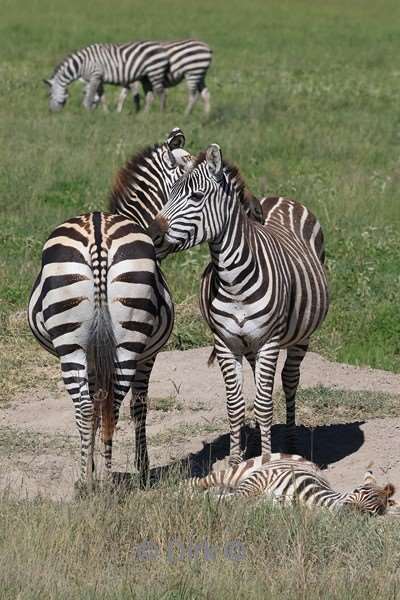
point(157, 229)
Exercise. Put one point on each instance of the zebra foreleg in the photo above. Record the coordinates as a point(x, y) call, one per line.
point(121, 99)
point(266, 360)
point(231, 367)
point(89, 101)
point(138, 414)
point(290, 382)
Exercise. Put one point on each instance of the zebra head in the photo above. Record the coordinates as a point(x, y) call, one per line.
point(199, 205)
point(58, 94)
point(371, 498)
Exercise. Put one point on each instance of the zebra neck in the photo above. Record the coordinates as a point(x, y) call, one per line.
point(332, 500)
point(234, 250)
point(69, 71)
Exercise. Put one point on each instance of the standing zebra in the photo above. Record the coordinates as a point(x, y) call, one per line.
point(187, 59)
point(290, 478)
point(100, 303)
point(118, 64)
point(265, 288)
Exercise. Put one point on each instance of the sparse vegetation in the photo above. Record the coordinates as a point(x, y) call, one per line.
point(130, 546)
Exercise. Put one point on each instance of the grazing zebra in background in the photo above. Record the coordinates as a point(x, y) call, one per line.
point(265, 288)
point(99, 304)
point(189, 60)
point(118, 64)
point(290, 478)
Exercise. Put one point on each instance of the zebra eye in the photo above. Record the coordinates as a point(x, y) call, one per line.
point(197, 195)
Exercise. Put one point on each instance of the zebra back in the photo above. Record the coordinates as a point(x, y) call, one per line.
point(187, 57)
point(284, 214)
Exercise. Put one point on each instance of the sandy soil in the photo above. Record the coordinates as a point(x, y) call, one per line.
point(43, 456)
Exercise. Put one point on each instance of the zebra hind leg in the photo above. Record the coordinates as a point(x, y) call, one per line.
point(205, 94)
point(75, 376)
point(290, 382)
point(138, 414)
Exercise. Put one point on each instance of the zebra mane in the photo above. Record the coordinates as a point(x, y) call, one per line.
point(127, 174)
point(250, 203)
point(63, 61)
point(230, 169)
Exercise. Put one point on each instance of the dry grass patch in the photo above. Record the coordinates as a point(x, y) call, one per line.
point(162, 544)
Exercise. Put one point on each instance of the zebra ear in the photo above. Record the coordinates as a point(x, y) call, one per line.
point(47, 82)
point(214, 161)
point(389, 490)
point(176, 139)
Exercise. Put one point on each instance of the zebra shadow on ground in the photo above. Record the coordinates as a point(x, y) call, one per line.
point(323, 445)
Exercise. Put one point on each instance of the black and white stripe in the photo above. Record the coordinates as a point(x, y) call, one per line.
point(187, 59)
point(289, 478)
point(99, 305)
point(142, 185)
point(265, 288)
point(118, 64)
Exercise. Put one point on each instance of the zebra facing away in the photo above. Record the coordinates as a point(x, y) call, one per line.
point(189, 60)
point(118, 64)
point(100, 303)
point(289, 478)
point(265, 288)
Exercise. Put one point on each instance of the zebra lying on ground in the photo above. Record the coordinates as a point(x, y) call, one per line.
point(265, 288)
point(189, 60)
point(118, 64)
point(100, 303)
point(289, 478)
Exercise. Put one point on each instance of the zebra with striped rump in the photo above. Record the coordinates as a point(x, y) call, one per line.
point(290, 478)
point(101, 304)
point(118, 64)
point(187, 59)
point(265, 288)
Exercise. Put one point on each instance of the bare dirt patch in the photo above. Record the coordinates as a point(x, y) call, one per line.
point(187, 416)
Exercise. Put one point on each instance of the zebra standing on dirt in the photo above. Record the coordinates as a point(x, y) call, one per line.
point(118, 64)
point(187, 59)
point(265, 288)
point(289, 478)
point(100, 303)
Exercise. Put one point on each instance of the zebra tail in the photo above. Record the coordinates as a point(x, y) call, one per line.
point(102, 346)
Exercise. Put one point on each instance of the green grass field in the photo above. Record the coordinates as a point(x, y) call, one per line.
point(305, 99)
